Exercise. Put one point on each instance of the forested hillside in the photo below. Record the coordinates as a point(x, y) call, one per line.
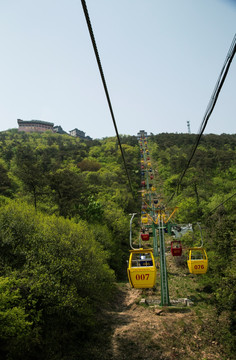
point(64, 230)
point(64, 234)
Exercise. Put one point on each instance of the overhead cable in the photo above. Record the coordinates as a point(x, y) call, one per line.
point(83, 2)
point(210, 107)
point(219, 83)
point(211, 212)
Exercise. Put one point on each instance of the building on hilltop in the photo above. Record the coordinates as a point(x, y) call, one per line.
point(34, 125)
point(77, 133)
point(80, 134)
point(58, 129)
point(42, 126)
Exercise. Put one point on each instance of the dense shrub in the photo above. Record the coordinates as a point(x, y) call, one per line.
point(57, 278)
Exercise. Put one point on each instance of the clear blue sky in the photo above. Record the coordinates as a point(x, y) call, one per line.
point(161, 60)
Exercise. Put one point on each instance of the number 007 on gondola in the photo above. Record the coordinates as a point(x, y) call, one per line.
point(141, 270)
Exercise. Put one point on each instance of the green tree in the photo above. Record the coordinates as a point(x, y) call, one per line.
point(5, 182)
point(68, 188)
point(28, 168)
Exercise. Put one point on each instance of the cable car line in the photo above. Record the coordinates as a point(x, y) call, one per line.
point(210, 107)
point(211, 212)
point(142, 269)
point(83, 2)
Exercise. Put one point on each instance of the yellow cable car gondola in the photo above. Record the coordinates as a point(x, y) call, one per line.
point(141, 270)
point(197, 260)
point(144, 219)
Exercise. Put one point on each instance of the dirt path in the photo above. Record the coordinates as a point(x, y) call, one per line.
point(136, 328)
point(146, 333)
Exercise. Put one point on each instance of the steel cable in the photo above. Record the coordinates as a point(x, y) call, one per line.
point(210, 107)
point(83, 2)
point(212, 211)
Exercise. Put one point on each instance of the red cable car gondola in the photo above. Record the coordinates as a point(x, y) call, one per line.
point(176, 248)
point(145, 237)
